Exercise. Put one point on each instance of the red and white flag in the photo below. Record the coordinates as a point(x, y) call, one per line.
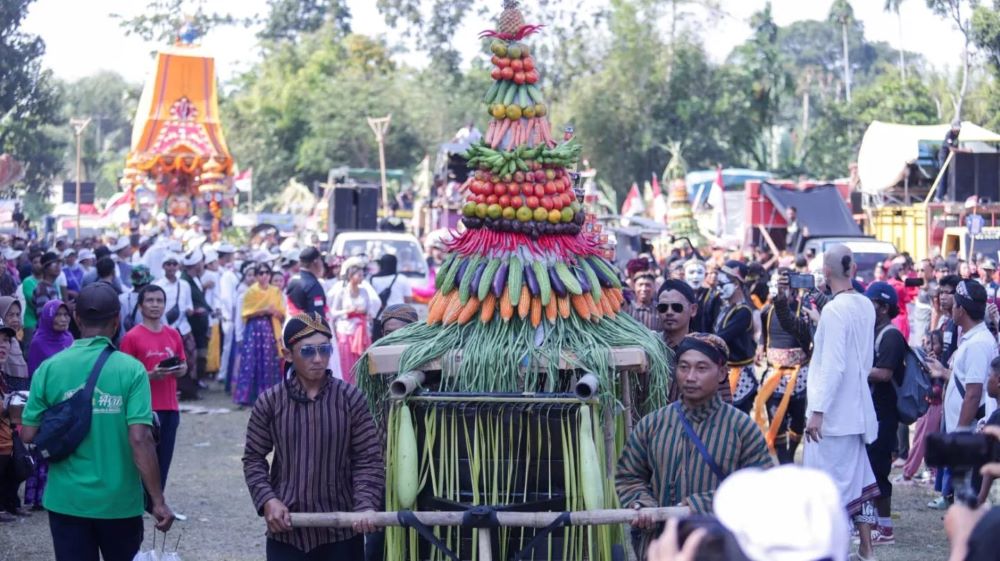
point(659, 202)
point(123, 199)
point(717, 199)
point(244, 181)
point(633, 204)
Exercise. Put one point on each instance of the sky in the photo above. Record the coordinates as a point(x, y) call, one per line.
point(82, 37)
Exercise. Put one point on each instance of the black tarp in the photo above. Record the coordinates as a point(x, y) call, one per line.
point(820, 209)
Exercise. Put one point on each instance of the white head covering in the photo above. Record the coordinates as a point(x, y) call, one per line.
point(171, 256)
point(225, 247)
point(211, 256)
point(193, 258)
point(120, 244)
point(85, 254)
point(788, 513)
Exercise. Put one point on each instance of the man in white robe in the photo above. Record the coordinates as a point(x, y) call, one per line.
point(840, 412)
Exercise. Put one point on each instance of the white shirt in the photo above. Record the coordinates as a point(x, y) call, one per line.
point(843, 354)
point(182, 299)
point(228, 285)
point(401, 289)
point(971, 365)
point(211, 294)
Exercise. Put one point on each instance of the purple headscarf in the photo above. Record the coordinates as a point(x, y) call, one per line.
point(47, 341)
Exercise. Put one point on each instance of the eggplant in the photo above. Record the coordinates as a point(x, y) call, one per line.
point(601, 276)
point(581, 277)
point(500, 279)
point(557, 284)
point(461, 271)
point(529, 275)
point(478, 275)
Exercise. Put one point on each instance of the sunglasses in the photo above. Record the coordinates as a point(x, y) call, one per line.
point(675, 307)
point(309, 352)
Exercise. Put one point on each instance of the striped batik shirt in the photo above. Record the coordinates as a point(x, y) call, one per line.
point(327, 456)
point(660, 466)
point(646, 315)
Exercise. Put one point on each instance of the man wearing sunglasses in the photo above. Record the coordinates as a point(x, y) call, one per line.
point(327, 456)
point(677, 306)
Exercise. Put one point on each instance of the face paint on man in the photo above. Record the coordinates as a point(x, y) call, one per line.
point(694, 274)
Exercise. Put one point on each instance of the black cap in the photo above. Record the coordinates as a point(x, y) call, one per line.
point(971, 296)
point(49, 257)
point(4, 328)
point(309, 254)
point(98, 301)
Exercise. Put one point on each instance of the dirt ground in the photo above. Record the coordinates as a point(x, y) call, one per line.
point(206, 484)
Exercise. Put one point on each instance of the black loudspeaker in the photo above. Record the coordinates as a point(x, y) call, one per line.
point(367, 209)
point(86, 192)
point(344, 213)
point(975, 174)
point(355, 207)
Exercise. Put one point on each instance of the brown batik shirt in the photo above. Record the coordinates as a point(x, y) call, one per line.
point(327, 456)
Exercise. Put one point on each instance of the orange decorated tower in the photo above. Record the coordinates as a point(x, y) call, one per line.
point(178, 146)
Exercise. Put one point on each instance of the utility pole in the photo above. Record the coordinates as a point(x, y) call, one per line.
point(380, 127)
point(78, 126)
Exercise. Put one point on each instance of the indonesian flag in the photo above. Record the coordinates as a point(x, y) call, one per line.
point(659, 202)
point(633, 204)
point(123, 199)
point(244, 181)
point(717, 199)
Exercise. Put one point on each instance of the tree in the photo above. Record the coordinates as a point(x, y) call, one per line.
point(29, 106)
point(986, 32)
point(111, 103)
point(959, 11)
point(893, 6)
point(842, 13)
point(288, 19)
point(160, 20)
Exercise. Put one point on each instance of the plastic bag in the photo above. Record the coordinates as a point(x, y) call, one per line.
point(162, 554)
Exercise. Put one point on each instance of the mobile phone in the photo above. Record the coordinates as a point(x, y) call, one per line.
point(801, 280)
point(913, 282)
point(170, 363)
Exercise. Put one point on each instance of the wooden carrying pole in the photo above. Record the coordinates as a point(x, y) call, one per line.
point(380, 127)
point(515, 519)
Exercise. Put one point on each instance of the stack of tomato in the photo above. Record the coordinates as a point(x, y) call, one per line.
point(539, 200)
point(513, 62)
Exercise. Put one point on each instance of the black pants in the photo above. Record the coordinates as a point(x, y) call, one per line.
point(794, 421)
point(880, 455)
point(353, 548)
point(80, 539)
point(9, 501)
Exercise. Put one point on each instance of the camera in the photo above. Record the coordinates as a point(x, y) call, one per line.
point(963, 453)
point(801, 281)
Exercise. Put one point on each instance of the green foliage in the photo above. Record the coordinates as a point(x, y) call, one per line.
point(287, 19)
point(160, 20)
point(110, 102)
point(29, 106)
point(986, 32)
point(303, 109)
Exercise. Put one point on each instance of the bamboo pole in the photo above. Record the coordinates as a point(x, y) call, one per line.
point(406, 384)
point(516, 519)
point(937, 180)
point(485, 545)
point(627, 400)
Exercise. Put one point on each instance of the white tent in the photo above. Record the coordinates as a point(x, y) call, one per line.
point(888, 148)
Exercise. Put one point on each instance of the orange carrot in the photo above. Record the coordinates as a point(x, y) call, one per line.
point(431, 307)
point(605, 305)
point(563, 303)
point(552, 310)
point(498, 138)
point(524, 304)
point(595, 312)
point(506, 309)
point(454, 308)
point(468, 311)
point(580, 305)
point(489, 306)
point(536, 311)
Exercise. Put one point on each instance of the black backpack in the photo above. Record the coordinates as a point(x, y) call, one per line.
point(912, 395)
point(67, 423)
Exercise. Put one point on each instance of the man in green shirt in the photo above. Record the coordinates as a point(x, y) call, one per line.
point(94, 497)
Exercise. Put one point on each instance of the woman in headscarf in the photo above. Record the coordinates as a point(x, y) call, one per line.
point(353, 307)
point(15, 370)
point(260, 350)
point(51, 336)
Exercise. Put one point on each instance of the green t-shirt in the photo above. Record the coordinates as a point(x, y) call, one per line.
point(99, 480)
point(30, 314)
